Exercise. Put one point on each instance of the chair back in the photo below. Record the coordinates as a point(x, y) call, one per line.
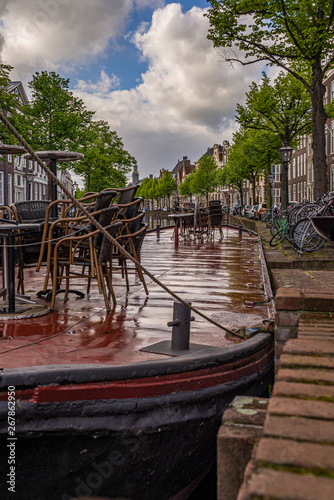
point(105, 246)
point(131, 211)
point(216, 213)
point(127, 195)
point(104, 218)
point(103, 201)
point(30, 210)
point(138, 240)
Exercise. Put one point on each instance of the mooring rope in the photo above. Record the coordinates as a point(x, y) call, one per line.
point(76, 202)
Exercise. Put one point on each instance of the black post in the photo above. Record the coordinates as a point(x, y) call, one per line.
point(53, 187)
point(181, 326)
point(286, 167)
point(11, 274)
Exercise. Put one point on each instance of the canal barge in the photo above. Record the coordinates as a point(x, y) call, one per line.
point(103, 405)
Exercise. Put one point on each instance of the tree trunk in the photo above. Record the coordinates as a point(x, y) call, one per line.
point(253, 181)
point(319, 118)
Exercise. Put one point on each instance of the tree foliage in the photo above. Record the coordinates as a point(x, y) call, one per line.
point(186, 186)
point(296, 35)
point(167, 184)
point(106, 163)
point(204, 179)
point(251, 155)
point(283, 108)
point(54, 119)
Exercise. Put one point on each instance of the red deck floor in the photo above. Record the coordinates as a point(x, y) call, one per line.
point(214, 276)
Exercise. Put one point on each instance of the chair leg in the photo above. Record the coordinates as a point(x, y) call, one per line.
point(20, 279)
point(67, 278)
point(105, 296)
point(109, 283)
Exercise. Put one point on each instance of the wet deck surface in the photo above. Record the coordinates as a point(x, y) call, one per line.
point(216, 276)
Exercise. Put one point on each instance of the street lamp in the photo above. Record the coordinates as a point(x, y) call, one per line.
point(285, 154)
point(75, 188)
point(30, 179)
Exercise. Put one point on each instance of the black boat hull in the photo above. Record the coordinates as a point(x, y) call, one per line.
point(142, 448)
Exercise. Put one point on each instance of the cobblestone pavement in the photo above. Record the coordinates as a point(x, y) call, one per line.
point(287, 269)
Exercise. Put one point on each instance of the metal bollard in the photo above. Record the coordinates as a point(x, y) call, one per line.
point(158, 229)
point(240, 230)
point(181, 326)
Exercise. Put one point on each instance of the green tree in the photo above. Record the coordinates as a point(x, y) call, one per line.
point(143, 190)
point(54, 119)
point(251, 155)
point(283, 109)
point(106, 163)
point(186, 186)
point(231, 176)
point(167, 185)
point(204, 179)
point(153, 190)
point(294, 35)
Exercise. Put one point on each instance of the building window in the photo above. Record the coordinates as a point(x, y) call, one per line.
point(2, 200)
point(18, 180)
point(10, 189)
point(294, 193)
point(10, 158)
point(24, 189)
point(326, 140)
point(332, 137)
point(332, 90)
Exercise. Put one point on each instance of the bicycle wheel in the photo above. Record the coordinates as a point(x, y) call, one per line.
point(277, 238)
point(305, 237)
point(306, 211)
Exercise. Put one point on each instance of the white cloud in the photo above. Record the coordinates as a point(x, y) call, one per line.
point(187, 98)
point(50, 34)
point(101, 87)
point(184, 102)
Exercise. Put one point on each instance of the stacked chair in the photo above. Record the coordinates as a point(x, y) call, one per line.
point(28, 241)
point(216, 216)
point(76, 249)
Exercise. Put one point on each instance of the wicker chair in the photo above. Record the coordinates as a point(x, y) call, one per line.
point(29, 243)
point(87, 257)
point(131, 238)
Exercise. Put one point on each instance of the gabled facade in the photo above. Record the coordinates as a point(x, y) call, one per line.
point(182, 169)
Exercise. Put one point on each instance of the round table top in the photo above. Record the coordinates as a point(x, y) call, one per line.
point(56, 155)
point(181, 214)
point(8, 149)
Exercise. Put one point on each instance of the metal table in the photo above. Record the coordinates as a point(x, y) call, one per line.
point(179, 217)
point(54, 157)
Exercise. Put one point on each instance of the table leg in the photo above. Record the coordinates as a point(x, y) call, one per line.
point(11, 274)
point(176, 234)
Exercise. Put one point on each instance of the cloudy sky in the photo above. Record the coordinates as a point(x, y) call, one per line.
point(145, 66)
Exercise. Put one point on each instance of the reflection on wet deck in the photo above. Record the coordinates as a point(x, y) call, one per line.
point(216, 276)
